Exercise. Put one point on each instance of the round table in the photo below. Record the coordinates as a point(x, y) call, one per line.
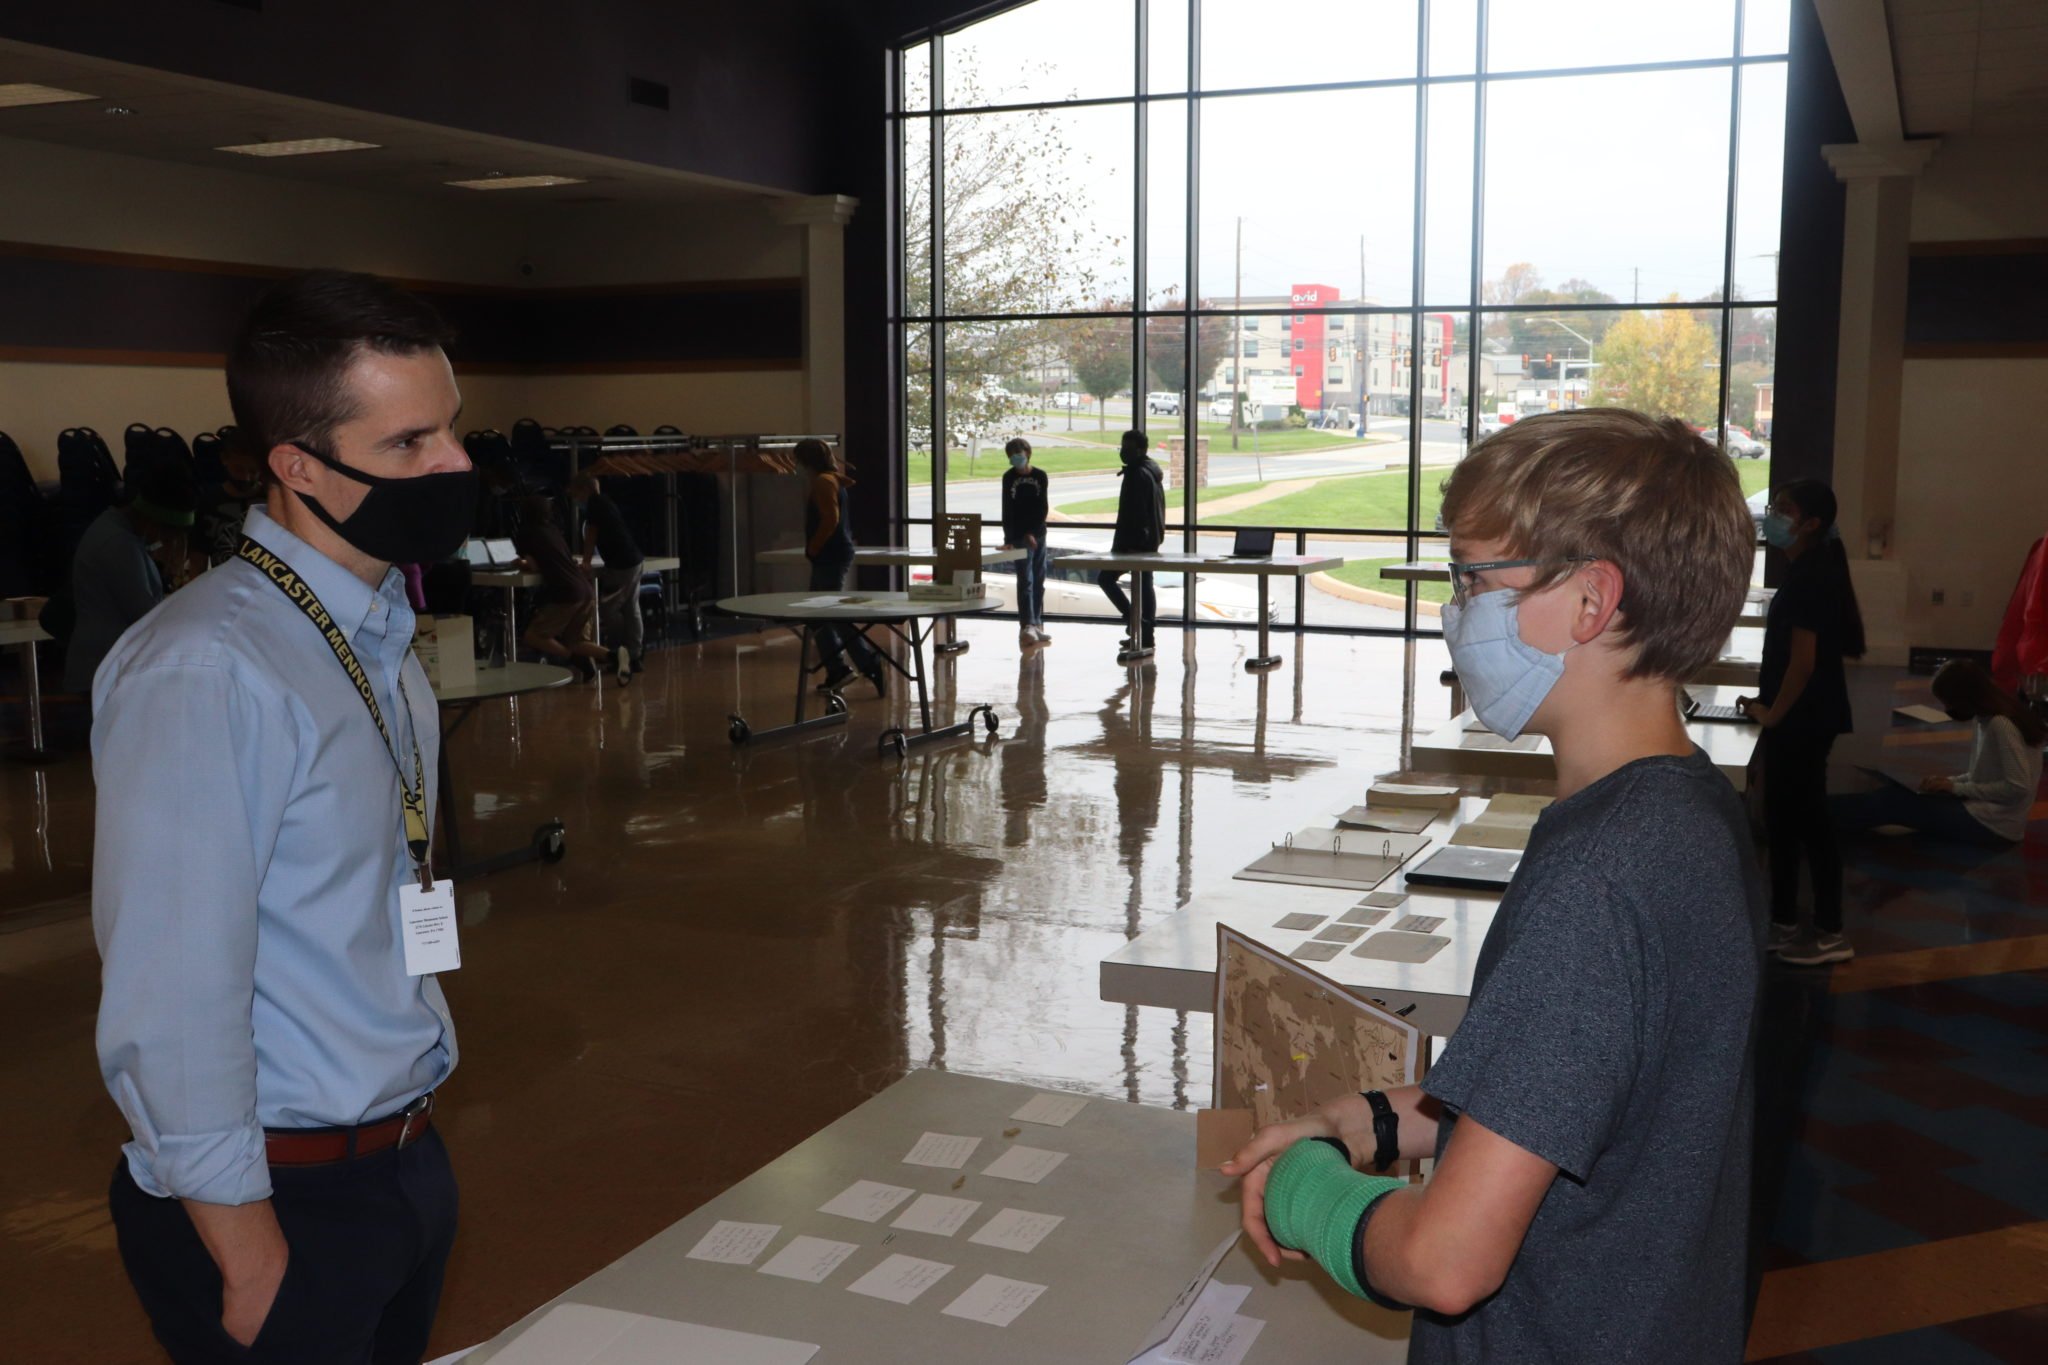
point(550, 838)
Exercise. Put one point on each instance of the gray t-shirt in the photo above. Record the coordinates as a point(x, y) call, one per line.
point(1610, 1033)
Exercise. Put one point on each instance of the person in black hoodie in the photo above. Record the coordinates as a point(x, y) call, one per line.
point(1025, 493)
point(1140, 528)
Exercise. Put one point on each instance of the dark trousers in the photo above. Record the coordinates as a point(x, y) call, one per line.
point(1799, 828)
point(369, 1240)
point(618, 609)
point(1937, 814)
point(828, 574)
point(1107, 581)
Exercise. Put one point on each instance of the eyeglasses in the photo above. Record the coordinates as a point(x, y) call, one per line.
point(1465, 577)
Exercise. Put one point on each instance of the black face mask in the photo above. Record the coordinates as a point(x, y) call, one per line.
point(420, 520)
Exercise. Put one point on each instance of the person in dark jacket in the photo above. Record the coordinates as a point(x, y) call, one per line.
point(117, 572)
point(559, 629)
point(606, 536)
point(828, 544)
point(1025, 497)
point(1802, 703)
point(1140, 529)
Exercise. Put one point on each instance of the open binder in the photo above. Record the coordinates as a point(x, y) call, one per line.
point(1360, 859)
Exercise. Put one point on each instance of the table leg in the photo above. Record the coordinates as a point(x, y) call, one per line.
point(1266, 658)
point(740, 732)
point(549, 842)
point(1137, 649)
point(511, 623)
point(952, 644)
point(901, 740)
point(35, 699)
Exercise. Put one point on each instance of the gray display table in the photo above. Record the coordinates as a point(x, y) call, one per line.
point(25, 636)
point(1265, 569)
point(1754, 606)
point(1455, 747)
point(897, 557)
point(549, 839)
point(1139, 1220)
point(807, 613)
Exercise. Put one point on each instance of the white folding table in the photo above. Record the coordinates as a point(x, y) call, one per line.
point(909, 619)
point(1138, 1220)
point(898, 557)
point(1458, 747)
point(1265, 568)
point(549, 838)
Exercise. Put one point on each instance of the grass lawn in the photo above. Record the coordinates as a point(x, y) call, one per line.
point(993, 462)
point(1287, 442)
point(1365, 573)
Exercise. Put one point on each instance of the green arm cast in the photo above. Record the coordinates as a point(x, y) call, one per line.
point(1314, 1201)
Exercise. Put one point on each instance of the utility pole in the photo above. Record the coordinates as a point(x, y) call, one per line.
point(1237, 359)
point(1361, 352)
point(1635, 292)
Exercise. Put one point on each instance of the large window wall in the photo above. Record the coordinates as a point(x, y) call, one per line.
point(1325, 246)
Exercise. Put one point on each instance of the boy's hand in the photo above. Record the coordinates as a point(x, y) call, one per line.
point(1254, 1162)
point(1938, 786)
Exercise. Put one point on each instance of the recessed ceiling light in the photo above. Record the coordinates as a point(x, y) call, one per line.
point(21, 93)
point(517, 182)
point(119, 109)
point(300, 146)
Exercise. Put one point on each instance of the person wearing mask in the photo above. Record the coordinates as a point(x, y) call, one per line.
point(559, 628)
point(1591, 1119)
point(1140, 529)
point(270, 1023)
point(117, 572)
point(1990, 802)
point(1025, 493)
point(606, 535)
point(828, 544)
point(224, 506)
point(1802, 702)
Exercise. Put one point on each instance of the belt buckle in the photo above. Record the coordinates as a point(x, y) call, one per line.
point(419, 1110)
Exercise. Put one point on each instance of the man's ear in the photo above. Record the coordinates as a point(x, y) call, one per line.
point(1599, 587)
point(292, 467)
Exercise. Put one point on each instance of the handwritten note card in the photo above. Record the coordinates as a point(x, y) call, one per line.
point(734, 1243)
point(942, 1149)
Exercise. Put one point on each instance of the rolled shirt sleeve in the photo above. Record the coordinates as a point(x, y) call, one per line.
point(2002, 776)
point(192, 775)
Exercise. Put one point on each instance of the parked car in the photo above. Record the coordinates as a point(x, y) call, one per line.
point(1073, 592)
point(1167, 404)
point(1066, 399)
point(1222, 407)
point(1737, 442)
point(1759, 507)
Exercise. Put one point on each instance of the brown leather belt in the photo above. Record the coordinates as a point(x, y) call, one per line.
point(325, 1146)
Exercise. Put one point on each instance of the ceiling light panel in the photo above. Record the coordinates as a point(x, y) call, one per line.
point(301, 146)
point(517, 182)
point(20, 93)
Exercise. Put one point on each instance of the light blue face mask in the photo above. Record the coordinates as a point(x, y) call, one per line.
point(1778, 532)
point(1019, 461)
point(1504, 677)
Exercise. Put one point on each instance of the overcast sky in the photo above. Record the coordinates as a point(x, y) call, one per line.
point(1619, 179)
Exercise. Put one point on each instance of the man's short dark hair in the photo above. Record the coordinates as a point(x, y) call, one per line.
point(287, 366)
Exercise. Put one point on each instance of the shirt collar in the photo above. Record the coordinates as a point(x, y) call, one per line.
point(347, 598)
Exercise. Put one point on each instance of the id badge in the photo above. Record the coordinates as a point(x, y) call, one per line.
point(428, 919)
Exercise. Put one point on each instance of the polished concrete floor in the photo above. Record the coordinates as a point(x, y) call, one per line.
point(741, 945)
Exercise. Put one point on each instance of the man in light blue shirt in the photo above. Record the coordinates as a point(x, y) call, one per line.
point(264, 745)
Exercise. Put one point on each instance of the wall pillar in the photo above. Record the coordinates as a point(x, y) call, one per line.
point(1870, 371)
point(823, 218)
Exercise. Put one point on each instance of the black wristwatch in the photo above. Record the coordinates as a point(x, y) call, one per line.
point(1386, 1130)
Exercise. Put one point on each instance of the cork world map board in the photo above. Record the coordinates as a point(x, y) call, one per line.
point(1289, 1038)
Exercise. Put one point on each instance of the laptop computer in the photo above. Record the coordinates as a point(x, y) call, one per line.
point(501, 551)
point(474, 552)
point(1486, 869)
point(1251, 544)
point(1694, 710)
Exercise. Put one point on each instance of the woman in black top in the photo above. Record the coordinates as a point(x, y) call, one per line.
point(1802, 702)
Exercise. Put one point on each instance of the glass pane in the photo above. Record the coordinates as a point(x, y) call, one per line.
point(1045, 51)
point(1453, 37)
point(1166, 203)
point(917, 415)
point(1663, 136)
point(1760, 181)
point(1447, 213)
point(1766, 27)
point(1248, 43)
point(917, 77)
point(1166, 52)
point(1038, 210)
point(1665, 362)
point(1537, 35)
point(916, 136)
point(1285, 169)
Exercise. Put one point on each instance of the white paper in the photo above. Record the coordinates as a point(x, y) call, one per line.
point(808, 1258)
point(937, 1214)
point(429, 923)
point(733, 1243)
point(900, 1279)
point(1229, 1346)
point(866, 1200)
point(994, 1300)
point(1028, 1164)
point(1206, 1321)
point(942, 1149)
point(1017, 1229)
point(1932, 715)
point(578, 1334)
point(1177, 1311)
point(1056, 1111)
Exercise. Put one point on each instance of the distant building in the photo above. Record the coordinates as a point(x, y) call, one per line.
point(1340, 359)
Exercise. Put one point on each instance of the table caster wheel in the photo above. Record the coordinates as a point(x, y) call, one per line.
point(835, 704)
point(551, 842)
point(988, 720)
point(738, 731)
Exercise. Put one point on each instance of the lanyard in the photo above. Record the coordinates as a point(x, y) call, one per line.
point(300, 594)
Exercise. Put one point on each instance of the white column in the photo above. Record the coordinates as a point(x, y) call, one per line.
point(1869, 372)
point(823, 218)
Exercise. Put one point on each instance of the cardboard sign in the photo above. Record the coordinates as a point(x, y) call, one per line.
point(956, 576)
point(447, 649)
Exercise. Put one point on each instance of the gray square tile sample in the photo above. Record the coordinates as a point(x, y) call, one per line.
point(1297, 921)
point(1341, 933)
point(1313, 951)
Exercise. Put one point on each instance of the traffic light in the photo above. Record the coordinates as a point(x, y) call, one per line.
point(1549, 359)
